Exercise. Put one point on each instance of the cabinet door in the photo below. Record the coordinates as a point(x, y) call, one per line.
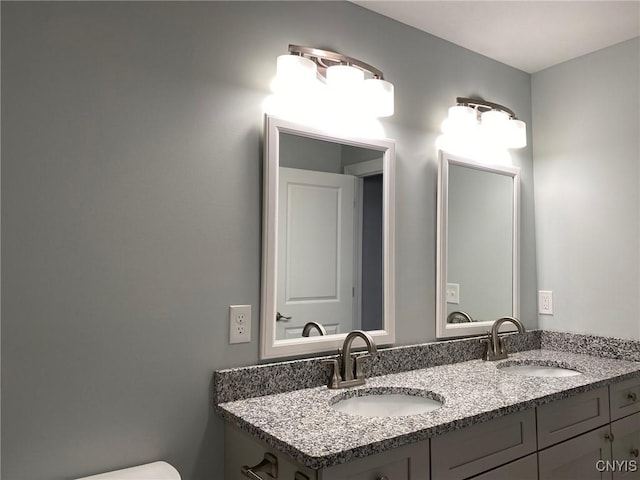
point(578, 458)
point(242, 449)
point(410, 462)
point(625, 398)
point(626, 448)
point(478, 448)
point(563, 419)
point(524, 469)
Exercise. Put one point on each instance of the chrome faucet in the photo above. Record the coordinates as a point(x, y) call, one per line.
point(306, 330)
point(351, 374)
point(494, 346)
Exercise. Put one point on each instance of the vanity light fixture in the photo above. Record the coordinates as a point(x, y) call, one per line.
point(494, 123)
point(344, 82)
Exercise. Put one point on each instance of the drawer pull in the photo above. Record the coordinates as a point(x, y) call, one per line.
point(609, 436)
point(634, 452)
point(632, 396)
point(268, 465)
point(383, 477)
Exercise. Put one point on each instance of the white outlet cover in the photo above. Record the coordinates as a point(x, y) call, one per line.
point(545, 302)
point(453, 293)
point(239, 324)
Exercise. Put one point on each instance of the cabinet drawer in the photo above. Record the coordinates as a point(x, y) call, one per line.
point(563, 419)
point(524, 469)
point(410, 462)
point(576, 458)
point(478, 448)
point(625, 398)
point(625, 447)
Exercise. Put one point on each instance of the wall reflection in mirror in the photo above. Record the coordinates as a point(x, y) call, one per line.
point(327, 238)
point(477, 245)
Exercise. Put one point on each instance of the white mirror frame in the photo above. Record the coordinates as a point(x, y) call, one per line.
point(270, 346)
point(444, 329)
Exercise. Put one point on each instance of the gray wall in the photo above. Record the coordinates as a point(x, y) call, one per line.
point(587, 174)
point(310, 154)
point(131, 211)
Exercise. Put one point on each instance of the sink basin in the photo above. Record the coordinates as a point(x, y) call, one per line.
point(538, 370)
point(386, 402)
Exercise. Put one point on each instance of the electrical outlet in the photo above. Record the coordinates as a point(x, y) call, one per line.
point(239, 323)
point(545, 302)
point(453, 293)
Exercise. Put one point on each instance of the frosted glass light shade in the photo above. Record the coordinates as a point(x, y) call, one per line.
point(460, 120)
point(378, 97)
point(495, 127)
point(344, 76)
point(495, 120)
point(462, 115)
point(517, 137)
point(293, 73)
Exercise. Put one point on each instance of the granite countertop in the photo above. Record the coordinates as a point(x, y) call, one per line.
point(303, 425)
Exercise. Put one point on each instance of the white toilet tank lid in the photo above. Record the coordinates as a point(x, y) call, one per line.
point(149, 471)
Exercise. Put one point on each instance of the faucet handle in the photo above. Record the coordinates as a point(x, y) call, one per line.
point(358, 362)
point(486, 341)
point(334, 380)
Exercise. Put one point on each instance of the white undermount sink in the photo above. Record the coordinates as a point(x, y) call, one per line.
point(533, 370)
point(386, 403)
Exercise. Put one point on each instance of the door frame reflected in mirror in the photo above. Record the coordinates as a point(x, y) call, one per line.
point(270, 345)
point(450, 330)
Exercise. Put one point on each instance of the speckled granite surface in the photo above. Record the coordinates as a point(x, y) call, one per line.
point(591, 345)
point(303, 425)
point(258, 380)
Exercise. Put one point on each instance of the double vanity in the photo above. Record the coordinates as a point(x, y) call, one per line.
point(530, 405)
point(558, 407)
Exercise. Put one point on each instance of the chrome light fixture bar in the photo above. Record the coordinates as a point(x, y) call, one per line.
point(326, 58)
point(495, 123)
point(348, 82)
point(484, 106)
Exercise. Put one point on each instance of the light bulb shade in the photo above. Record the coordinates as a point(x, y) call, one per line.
point(378, 97)
point(294, 73)
point(461, 119)
point(517, 137)
point(344, 76)
point(495, 128)
point(495, 119)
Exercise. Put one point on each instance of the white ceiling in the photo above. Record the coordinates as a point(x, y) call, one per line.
point(528, 35)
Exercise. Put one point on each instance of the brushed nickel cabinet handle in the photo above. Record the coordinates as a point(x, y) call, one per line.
point(383, 477)
point(632, 396)
point(268, 465)
point(609, 436)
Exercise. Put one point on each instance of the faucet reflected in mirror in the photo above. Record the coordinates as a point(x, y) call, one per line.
point(309, 326)
point(351, 374)
point(494, 346)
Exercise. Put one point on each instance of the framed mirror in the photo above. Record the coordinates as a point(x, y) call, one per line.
point(477, 246)
point(328, 239)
